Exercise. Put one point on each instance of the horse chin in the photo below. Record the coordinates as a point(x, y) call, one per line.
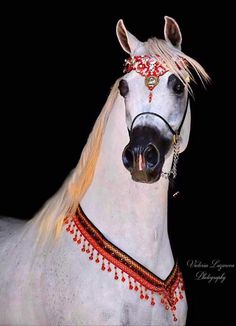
point(143, 177)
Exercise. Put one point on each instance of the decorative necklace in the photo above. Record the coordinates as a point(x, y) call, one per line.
point(124, 268)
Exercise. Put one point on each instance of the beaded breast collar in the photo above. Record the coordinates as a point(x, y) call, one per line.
point(124, 268)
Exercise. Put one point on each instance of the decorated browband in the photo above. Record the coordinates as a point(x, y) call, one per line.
point(149, 67)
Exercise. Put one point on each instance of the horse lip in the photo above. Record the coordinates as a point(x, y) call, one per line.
point(144, 178)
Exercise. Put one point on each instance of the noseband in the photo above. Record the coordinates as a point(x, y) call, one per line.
point(176, 140)
point(152, 68)
point(175, 133)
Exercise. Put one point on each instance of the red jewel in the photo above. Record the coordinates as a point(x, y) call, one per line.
point(79, 241)
point(83, 248)
point(141, 296)
point(123, 279)
point(109, 269)
point(97, 260)
point(146, 297)
point(68, 228)
point(131, 287)
point(103, 267)
point(88, 251)
point(75, 238)
point(136, 288)
point(152, 302)
point(175, 319)
point(72, 231)
point(116, 277)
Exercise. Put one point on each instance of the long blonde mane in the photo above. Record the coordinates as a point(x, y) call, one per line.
point(171, 55)
point(67, 199)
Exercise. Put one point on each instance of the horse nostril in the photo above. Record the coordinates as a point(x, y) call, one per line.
point(128, 158)
point(151, 155)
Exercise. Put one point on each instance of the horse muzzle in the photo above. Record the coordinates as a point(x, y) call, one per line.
point(144, 155)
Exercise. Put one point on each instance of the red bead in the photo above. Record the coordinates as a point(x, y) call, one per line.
point(136, 288)
point(68, 228)
point(109, 269)
point(75, 238)
point(91, 257)
point(72, 231)
point(175, 319)
point(79, 241)
point(83, 248)
point(97, 260)
point(141, 296)
point(103, 267)
point(153, 302)
point(146, 297)
point(131, 287)
point(116, 277)
point(88, 251)
point(123, 279)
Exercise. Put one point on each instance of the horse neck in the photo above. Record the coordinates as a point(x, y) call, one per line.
point(131, 215)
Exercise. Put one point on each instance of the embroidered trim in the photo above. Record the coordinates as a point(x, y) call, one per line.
point(125, 268)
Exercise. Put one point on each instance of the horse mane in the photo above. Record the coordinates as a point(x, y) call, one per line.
point(68, 197)
point(65, 202)
point(175, 59)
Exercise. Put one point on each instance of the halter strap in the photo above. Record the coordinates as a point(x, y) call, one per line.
point(177, 132)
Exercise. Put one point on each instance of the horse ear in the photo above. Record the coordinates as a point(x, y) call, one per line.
point(172, 32)
point(127, 41)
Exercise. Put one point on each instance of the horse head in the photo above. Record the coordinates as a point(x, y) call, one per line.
point(155, 90)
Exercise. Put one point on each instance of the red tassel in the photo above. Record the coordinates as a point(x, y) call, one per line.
point(152, 299)
point(141, 293)
point(122, 278)
point(116, 274)
point(130, 283)
point(97, 259)
point(103, 268)
point(88, 249)
point(79, 240)
point(91, 256)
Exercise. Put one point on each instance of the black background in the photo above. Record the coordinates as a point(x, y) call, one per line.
point(57, 72)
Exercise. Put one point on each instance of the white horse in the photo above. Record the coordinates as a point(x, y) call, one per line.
point(98, 252)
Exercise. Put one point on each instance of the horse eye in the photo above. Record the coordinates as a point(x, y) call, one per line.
point(176, 85)
point(123, 87)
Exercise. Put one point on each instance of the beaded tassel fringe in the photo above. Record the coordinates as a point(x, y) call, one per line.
point(169, 297)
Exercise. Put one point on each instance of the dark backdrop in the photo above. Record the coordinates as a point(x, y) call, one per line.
point(57, 71)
